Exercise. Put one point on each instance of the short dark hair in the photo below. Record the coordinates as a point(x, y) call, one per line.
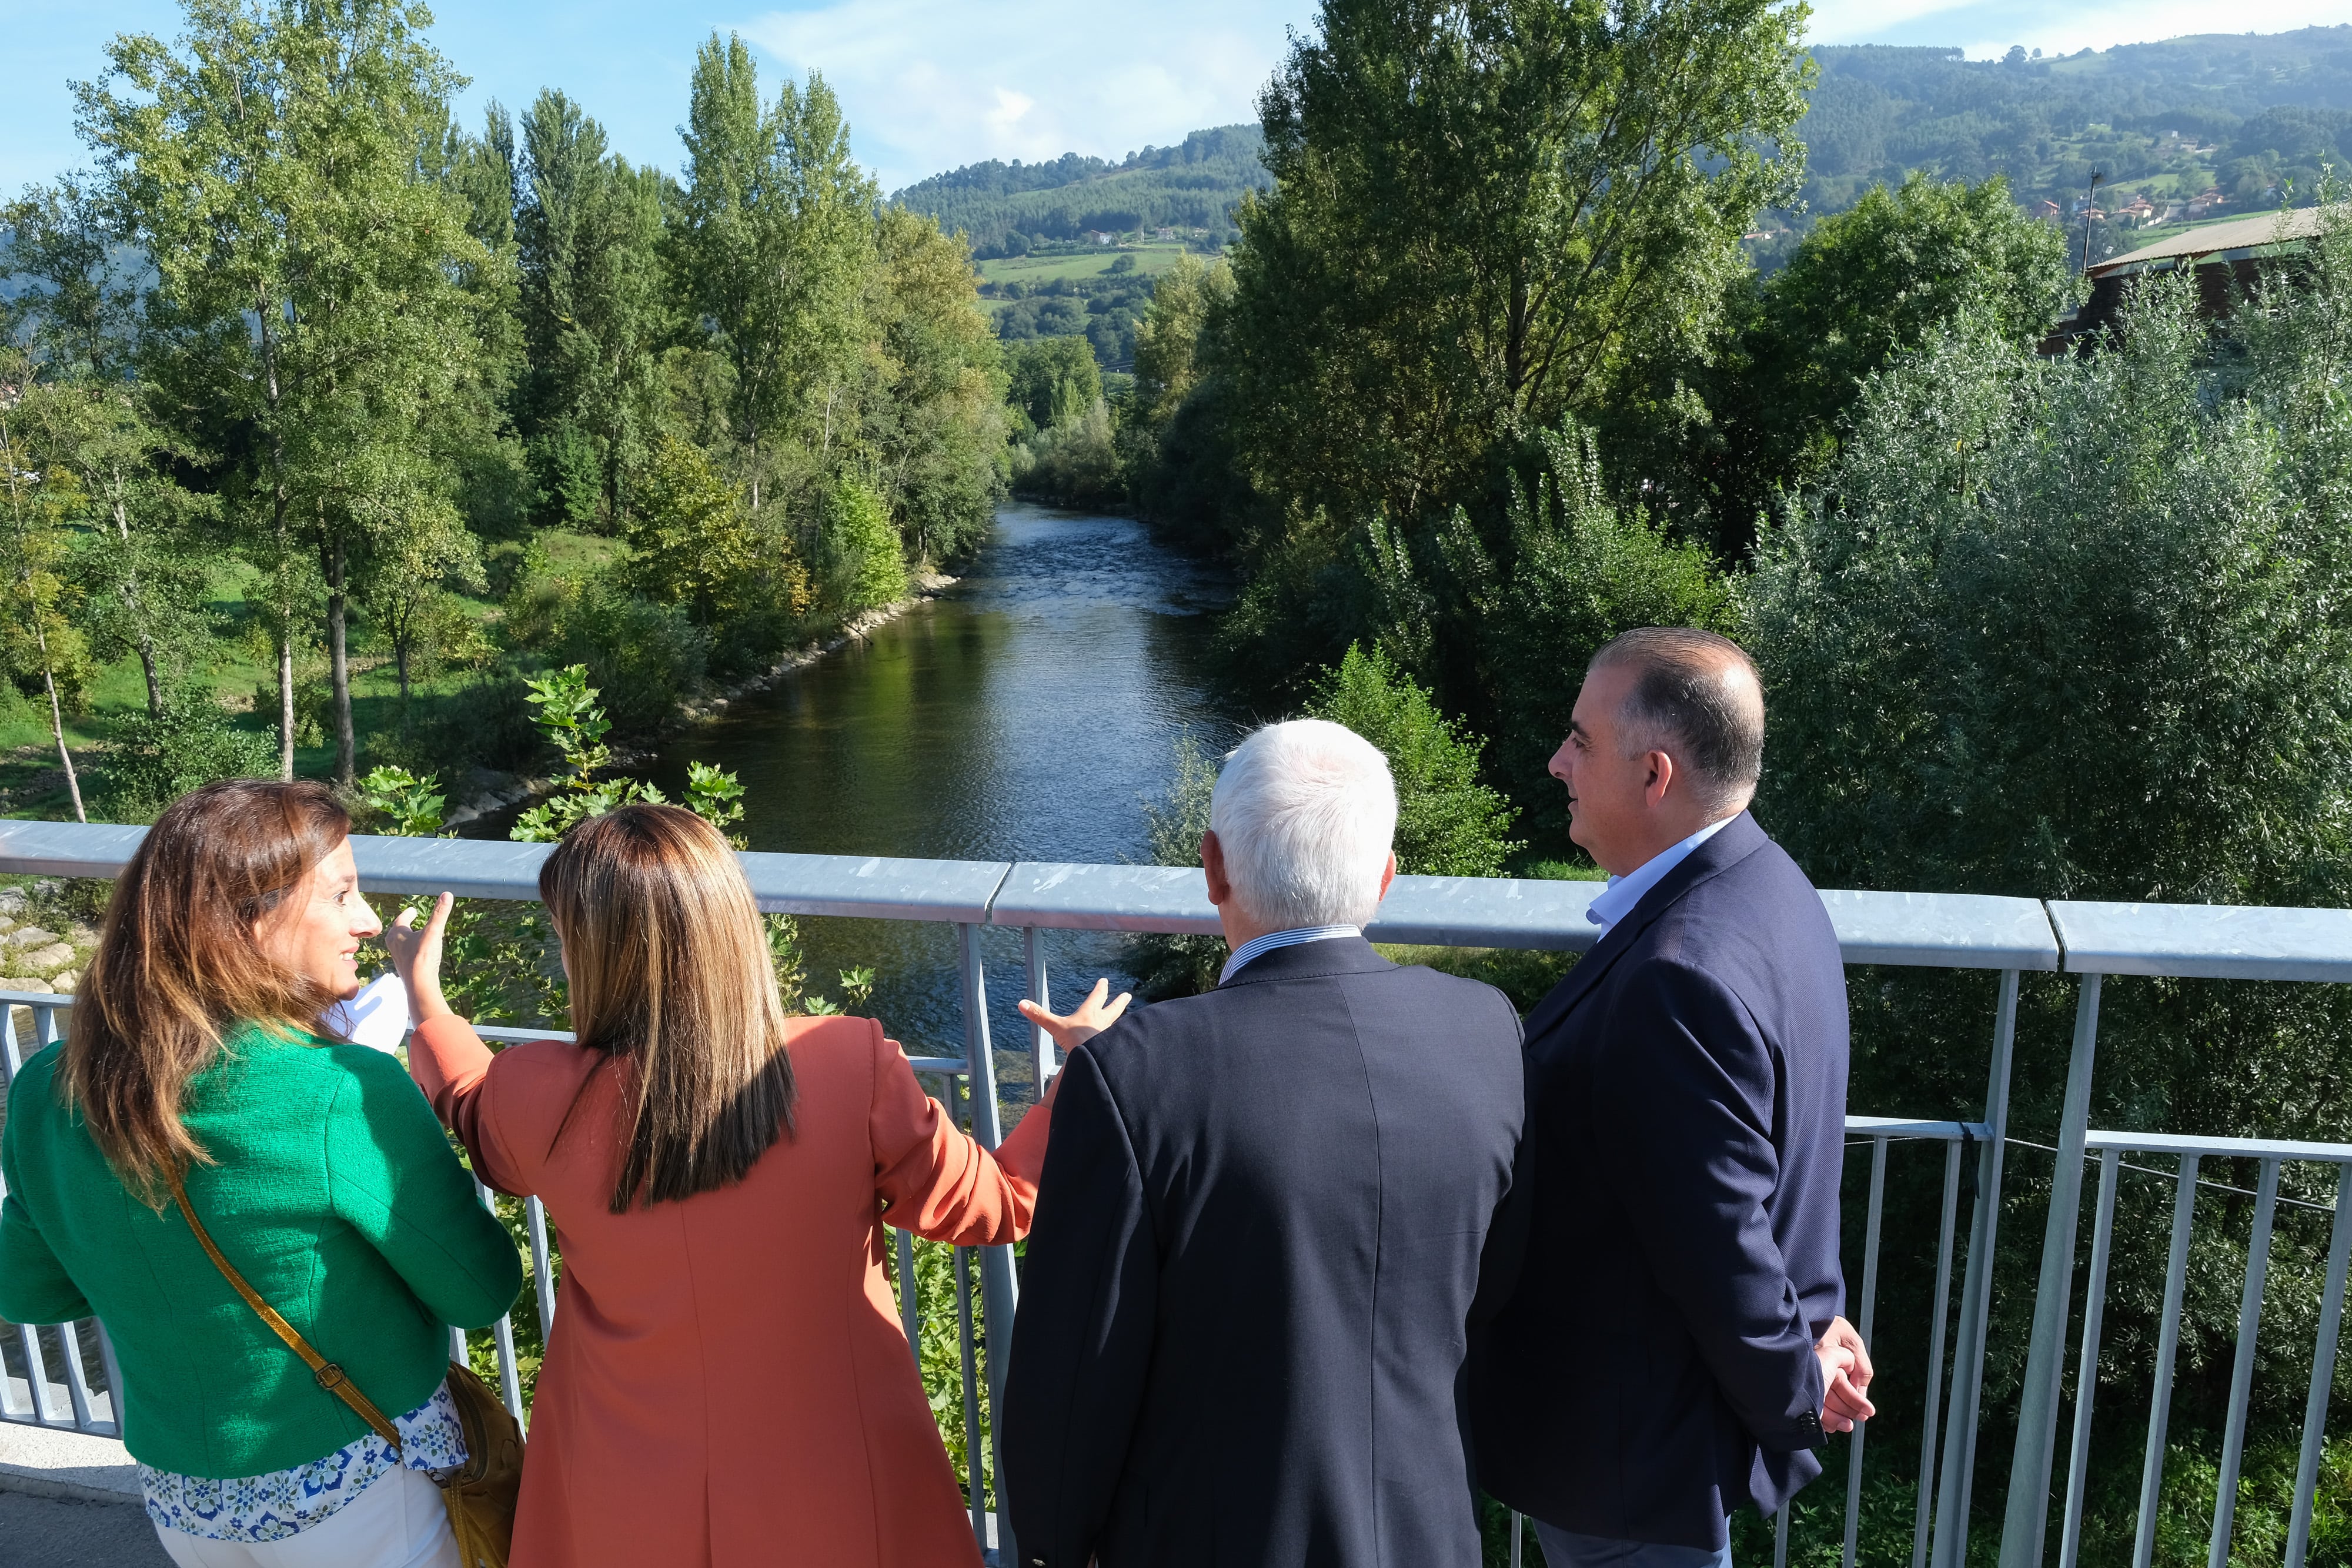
point(1714, 729)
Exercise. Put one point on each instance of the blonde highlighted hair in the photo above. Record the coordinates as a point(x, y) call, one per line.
point(178, 962)
point(671, 983)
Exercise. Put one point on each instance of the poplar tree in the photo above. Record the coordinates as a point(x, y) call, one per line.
point(594, 305)
point(773, 238)
point(308, 293)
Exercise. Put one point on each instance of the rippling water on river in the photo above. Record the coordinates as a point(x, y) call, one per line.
point(1023, 714)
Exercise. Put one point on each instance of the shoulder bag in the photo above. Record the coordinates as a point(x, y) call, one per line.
point(480, 1497)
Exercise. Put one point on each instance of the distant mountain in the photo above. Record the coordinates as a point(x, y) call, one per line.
point(1004, 206)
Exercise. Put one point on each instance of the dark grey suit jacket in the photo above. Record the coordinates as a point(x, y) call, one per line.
point(1259, 1239)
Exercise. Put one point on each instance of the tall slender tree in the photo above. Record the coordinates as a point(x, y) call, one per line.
point(308, 276)
point(775, 238)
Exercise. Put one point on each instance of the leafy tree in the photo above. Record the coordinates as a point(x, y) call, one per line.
point(1053, 382)
point(863, 546)
point(309, 277)
point(772, 237)
point(690, 541)
point(89, 422)
point(595, 307)
point(406, 589)
point(39, 640)
point(1168, 339)
point(1882, 276)
point(1448, 823)
point(935, 419)
point(1481, 211)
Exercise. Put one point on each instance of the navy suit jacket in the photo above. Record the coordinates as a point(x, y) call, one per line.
point(1654, 1368)
point(1257, 1242)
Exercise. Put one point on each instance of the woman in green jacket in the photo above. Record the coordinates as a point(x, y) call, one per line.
point(318, 1169)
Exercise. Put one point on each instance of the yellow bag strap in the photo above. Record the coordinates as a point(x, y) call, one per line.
point(328, 1376)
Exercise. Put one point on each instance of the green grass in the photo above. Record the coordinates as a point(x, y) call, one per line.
point(244, 672)
point(1154, 257)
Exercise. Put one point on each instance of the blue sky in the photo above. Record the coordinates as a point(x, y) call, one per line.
point(930, 84)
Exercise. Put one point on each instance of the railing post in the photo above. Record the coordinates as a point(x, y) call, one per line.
point(1958, 1480)
point(1922, 1512)
point(1869, 1317)
point(1032, 948)
point(2168, 1346)
point(2323, 1372)
point(2086, 1367)
point(2045, 1356)
point(999, 1287)
point(2241, 1371)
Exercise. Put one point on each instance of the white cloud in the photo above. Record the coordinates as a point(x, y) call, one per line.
point(930, 85)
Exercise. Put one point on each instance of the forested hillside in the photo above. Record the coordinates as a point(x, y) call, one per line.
point(1004, 208)
point(2245, 116)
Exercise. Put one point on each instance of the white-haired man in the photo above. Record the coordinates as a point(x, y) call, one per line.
point(1261, 1220)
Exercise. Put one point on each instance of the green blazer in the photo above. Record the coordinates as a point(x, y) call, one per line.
point(333, 1190)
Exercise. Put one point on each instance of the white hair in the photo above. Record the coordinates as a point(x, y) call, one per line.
point(1304, 812)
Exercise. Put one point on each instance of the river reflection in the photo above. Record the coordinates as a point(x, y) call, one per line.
point(1023, 714)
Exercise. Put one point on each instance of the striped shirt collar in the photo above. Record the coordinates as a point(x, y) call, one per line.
point(1256, 946)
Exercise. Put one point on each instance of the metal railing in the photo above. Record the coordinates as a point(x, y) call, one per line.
point(2003, 937)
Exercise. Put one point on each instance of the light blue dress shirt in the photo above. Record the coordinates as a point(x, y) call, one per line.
point(1617, 901)
point(1273, 939)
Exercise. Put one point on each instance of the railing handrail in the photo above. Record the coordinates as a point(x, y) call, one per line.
point(2205, 941)
point(2219, 1148)
point(1942, 930)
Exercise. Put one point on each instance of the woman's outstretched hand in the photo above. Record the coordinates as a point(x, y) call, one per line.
point(416, 957)
point(1081, 1023)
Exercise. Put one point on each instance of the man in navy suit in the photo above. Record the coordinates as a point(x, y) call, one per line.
point(1244, 1305)
point(1674, 1348)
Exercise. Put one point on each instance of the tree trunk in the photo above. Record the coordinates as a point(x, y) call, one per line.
point(286, 697)
point(155, 685)
point(58, 721)
point(400, 662)
point(138, 610)
point(339, 665)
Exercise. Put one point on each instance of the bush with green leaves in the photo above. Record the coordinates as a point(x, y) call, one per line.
point(865, 565)
point(2082, 627)
point(155, 759)
point(1448, 823)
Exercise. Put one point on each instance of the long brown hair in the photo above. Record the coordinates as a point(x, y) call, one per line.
point(670, 977)
point(177, 962)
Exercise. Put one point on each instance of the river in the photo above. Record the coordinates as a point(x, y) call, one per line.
point(1026, 713)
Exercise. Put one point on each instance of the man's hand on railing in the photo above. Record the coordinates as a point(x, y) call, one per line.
point(1846, 1372)
point(416, 957)
point(1081, 1023)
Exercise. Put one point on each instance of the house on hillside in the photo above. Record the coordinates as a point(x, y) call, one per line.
point(2135, 213)
point(2048, 211)
point(1096, 236)
point(2226, 258)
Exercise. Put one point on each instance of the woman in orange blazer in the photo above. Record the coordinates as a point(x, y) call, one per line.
point(726, 1381)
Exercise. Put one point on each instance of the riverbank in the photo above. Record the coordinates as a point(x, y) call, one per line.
point(493, 793)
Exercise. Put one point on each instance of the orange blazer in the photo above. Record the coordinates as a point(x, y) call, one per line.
point(726, 1381)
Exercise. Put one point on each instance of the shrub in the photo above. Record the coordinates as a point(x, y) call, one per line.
point(866, 568)
point(154, 760)
point(2082, 627)
point(1448, 825)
